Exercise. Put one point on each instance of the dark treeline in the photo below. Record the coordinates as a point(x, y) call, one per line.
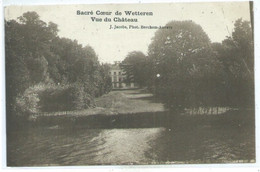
point(47, 73)
point(186, 70)
point(135, 67)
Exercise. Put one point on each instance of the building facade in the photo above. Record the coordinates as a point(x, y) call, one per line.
point(118, 76)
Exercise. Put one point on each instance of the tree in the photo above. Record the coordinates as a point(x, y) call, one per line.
point(181, 60)
point(135, 67)
point(237, 57)
point(44, 70)
point(243, 44)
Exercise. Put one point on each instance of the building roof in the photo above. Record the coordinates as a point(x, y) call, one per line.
point(115, 66)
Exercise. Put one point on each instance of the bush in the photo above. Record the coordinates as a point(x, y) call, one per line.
point(28, 102)
point(51, 98)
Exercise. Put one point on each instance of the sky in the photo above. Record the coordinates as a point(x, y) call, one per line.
point(217, 20)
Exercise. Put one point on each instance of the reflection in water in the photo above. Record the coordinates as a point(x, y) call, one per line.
point(126, 146)
point(54, 146)
point(203, 145)
point(81, 147)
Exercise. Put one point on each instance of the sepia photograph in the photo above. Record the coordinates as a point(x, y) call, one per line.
point(130, 84)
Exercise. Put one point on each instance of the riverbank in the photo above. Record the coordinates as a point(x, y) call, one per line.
point(140, 138)
point(132, 127)
point(116, 102)
point(138, 109)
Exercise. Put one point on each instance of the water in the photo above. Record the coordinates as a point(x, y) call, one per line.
point(60, 146)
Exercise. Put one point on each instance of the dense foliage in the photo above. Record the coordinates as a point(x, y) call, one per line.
point(186, 70)
point(236, 54)
point(47, 73)
point(135, 66)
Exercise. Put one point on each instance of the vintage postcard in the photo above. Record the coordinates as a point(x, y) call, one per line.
point(130, 84)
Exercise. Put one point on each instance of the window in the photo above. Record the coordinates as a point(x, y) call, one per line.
point(119, 73)
point(114, 73)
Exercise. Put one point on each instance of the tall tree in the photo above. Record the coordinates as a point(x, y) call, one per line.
point(135, 67)
point(180, 60)
point(236, 54)
point(44, 70)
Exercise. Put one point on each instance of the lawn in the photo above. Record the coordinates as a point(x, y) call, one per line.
point(118, 102)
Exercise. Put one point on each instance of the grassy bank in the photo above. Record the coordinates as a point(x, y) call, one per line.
point(237, 119)
point(139, 109)
point(115, 102)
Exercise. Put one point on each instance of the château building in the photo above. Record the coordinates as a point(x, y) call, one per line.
point(118, 77)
